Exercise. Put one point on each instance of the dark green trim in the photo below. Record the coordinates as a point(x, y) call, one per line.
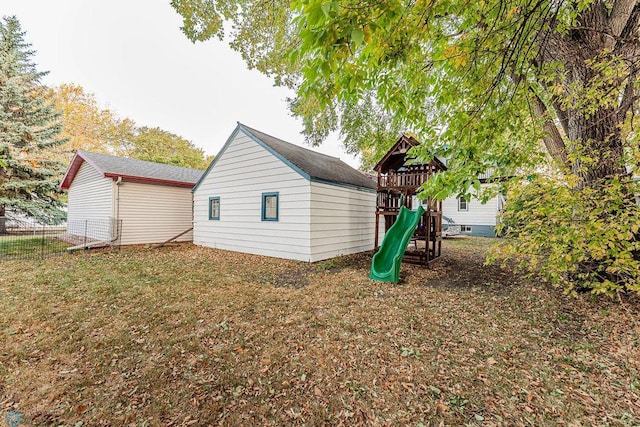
point(274, 152)
point(264, 205)
point(211, 217)
point(215, 159)
point(343, 185)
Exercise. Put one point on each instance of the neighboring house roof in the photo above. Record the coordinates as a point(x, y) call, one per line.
point(131, 170)
point(310, 164)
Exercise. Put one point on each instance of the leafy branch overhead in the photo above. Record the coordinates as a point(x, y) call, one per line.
point(479, 83)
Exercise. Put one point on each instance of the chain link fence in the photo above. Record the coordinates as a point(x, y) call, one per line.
point(25, 240)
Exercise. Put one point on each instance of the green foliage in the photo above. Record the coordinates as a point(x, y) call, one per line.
point(365, 128)
point(29, 129)
point(580, 238)
point(263, 32)
point(373, 71)
point(157, 145)
point(201, 19)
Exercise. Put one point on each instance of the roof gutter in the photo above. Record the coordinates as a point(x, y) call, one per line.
point(146, 180)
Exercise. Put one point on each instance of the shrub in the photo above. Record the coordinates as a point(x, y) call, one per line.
point(582, 238)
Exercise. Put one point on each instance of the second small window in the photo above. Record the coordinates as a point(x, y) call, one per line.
point(214, 208)
point(269, 206)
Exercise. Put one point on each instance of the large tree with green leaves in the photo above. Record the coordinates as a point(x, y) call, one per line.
point(542, 89)
point(29, 127)
point(157, 145)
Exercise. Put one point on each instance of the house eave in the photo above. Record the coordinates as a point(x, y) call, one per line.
point(146, 180)
point(78, 159)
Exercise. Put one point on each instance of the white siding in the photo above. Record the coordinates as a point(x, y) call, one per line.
point(478, 213)
point(90, 204)
point(342, 221)
point(153, 213)
point(240, 175)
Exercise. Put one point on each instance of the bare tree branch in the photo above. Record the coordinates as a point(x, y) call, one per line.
point(630, 95)
point(552, 139)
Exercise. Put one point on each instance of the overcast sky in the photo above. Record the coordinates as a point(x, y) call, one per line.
point(134, 58)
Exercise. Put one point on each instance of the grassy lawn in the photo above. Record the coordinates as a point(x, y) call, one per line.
point(185, 335)
point(12, 246)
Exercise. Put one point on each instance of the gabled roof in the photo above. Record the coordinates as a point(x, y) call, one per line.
point(396, 156)
point(131, 170)
point(310, 164)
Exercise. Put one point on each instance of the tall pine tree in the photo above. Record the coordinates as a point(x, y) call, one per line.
point(29, 127)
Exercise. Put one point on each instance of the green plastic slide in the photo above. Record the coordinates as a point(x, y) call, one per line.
point(385, 265)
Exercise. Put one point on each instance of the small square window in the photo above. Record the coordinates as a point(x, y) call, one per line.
point(269, 206)
point(214, 208)
point(465, 229)
point(463, 204)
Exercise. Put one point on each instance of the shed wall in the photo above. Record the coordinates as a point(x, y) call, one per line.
point(153, 213)
point(90, 204)
point(242, 172)
point(342, 221)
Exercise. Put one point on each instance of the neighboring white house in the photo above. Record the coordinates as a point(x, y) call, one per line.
point(473, 217)
point(132, 201)
point(265, 196)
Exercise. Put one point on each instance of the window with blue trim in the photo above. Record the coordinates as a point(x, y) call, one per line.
point(214, 208)
point(269, 206)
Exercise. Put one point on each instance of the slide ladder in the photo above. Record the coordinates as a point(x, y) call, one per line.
point(385, 265)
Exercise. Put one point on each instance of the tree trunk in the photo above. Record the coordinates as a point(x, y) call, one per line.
point(592, 128)
point(595, 137)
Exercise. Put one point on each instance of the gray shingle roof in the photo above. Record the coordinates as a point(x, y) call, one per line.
point(318, 166)
point(122, 166)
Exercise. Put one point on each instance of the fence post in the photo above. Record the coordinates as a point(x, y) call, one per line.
point(85, 232)
point(42, 244)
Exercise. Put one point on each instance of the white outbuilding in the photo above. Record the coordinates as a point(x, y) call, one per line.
point(126, 201)
point(265, 196)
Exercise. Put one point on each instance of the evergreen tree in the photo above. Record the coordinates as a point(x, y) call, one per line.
point(29, 127)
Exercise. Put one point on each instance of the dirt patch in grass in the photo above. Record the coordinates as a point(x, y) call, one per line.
point(184, 335)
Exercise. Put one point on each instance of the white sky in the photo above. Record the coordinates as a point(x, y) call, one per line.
point(132, 55)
